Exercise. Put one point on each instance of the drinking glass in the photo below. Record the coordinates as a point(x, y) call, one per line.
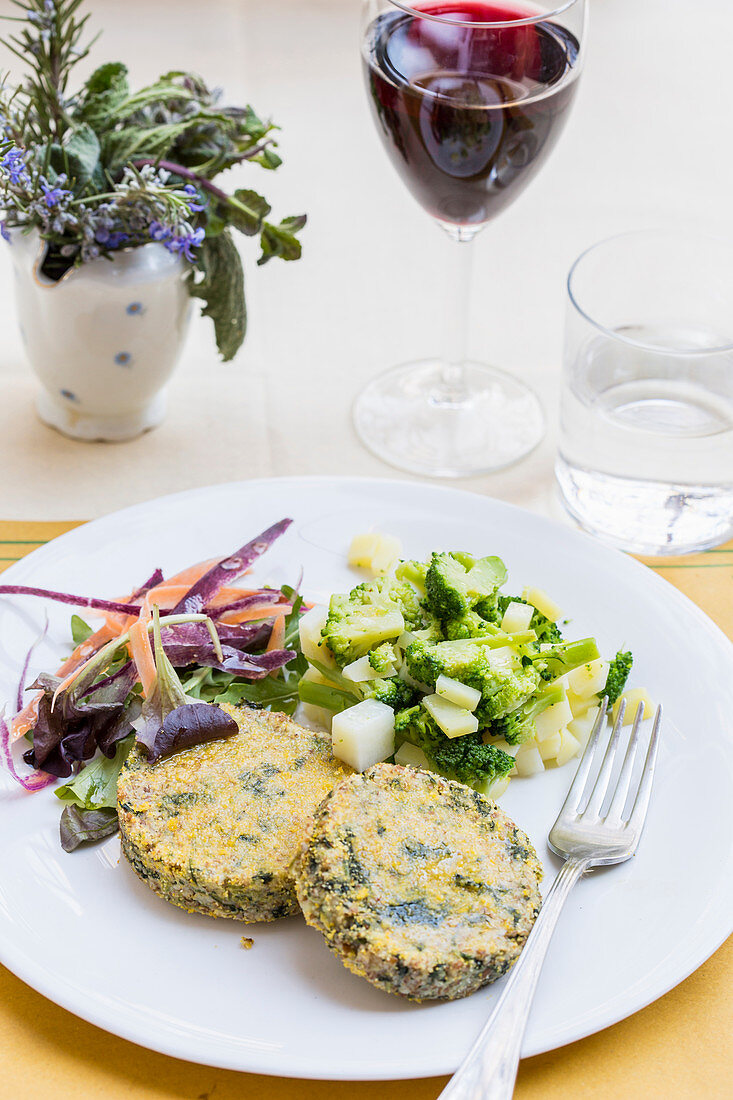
point(646, 434)
point(469, 98)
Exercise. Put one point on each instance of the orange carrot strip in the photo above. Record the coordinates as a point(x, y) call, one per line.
point(140, 651)
point(264, 611)
point(193, 573)
point(277, 636)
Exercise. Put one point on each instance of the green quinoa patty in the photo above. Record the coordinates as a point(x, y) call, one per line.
point(214, 829)
point(419, 884)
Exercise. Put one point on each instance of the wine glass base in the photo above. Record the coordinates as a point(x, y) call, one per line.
point(401, 418)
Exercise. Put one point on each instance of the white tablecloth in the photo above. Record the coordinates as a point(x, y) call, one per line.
point(648, 143)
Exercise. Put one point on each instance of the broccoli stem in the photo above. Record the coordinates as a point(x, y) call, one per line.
point(322, 695)
point(565, 656)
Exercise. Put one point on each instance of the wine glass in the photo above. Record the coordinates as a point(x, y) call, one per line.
point(469, 98)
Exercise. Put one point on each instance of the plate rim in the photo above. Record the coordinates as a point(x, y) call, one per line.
point(34, 975)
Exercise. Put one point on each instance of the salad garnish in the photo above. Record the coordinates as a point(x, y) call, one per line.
point(229, 643)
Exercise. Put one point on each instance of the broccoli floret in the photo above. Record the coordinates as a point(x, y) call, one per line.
point(456, 583)
point(618, 674)
point(382, 659)
point(544, 628)
point(394, 692)
point(466, 758)
point(470, 625)
point(519, 725)
point(412, 572)
point(503, 686)
point(370, 614)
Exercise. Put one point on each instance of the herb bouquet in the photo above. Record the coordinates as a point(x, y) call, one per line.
point(103, 169)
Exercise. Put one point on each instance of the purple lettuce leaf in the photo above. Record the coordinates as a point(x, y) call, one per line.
point(71, 731)
point(189, 725)
point(109, 692)
point(82, 826)
point(59, 743)
point(227, 570)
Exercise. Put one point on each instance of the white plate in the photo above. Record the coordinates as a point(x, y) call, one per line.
point(85, 932)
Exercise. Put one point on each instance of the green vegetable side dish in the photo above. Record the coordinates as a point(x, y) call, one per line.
point(433, 636)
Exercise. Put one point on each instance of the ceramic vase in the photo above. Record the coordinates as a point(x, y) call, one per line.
point(104, 339)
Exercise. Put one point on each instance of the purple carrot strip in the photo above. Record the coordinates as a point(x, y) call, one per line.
point(204, 590)
point(155, 579)
point(36, 781)
point(26, 663)
point(66, 597)
point(239, 635)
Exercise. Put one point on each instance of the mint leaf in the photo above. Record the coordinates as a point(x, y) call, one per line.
point(247, 210)
point(280, 240)
point(104, 92)
point(222, 289)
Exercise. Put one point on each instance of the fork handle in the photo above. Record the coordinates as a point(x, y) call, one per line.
point(490, 1068)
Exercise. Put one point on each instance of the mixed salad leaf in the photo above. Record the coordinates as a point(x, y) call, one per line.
point(213, 641)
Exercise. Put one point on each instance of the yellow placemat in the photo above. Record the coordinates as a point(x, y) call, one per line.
point(679, 1047)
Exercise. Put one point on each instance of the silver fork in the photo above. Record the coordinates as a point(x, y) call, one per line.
point(585, 839)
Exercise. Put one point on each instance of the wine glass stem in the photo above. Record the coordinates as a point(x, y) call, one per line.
point(457, 306)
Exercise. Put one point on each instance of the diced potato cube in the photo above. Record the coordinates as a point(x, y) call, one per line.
point(517, 617)
point(543, 603)
point(454, 721)
point(552, 719)
point(528, 760)
point(411, 756)
point(364, 734)
point(386, 553)
point(360, 671)
point(375, 552)
point(512, 750)
point(580, 705)
point(633, 698)
point(362, 549)
point(502, 658)
point(311, 640)
point(589, 679)
point(460, 694)
point(582, 727)
point(550, 747)
point(317, 716)
point(569, 748)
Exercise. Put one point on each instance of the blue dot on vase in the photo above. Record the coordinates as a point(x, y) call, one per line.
point(134, 308)
point(123, 358)
point(68, 395)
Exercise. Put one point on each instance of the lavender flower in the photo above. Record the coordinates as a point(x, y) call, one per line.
point(181, 240)
point(194, 206)
point(4, 231)
point(54, 195)
point(14, 164)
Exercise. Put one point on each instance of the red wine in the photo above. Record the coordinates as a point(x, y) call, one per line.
point(468, 113)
